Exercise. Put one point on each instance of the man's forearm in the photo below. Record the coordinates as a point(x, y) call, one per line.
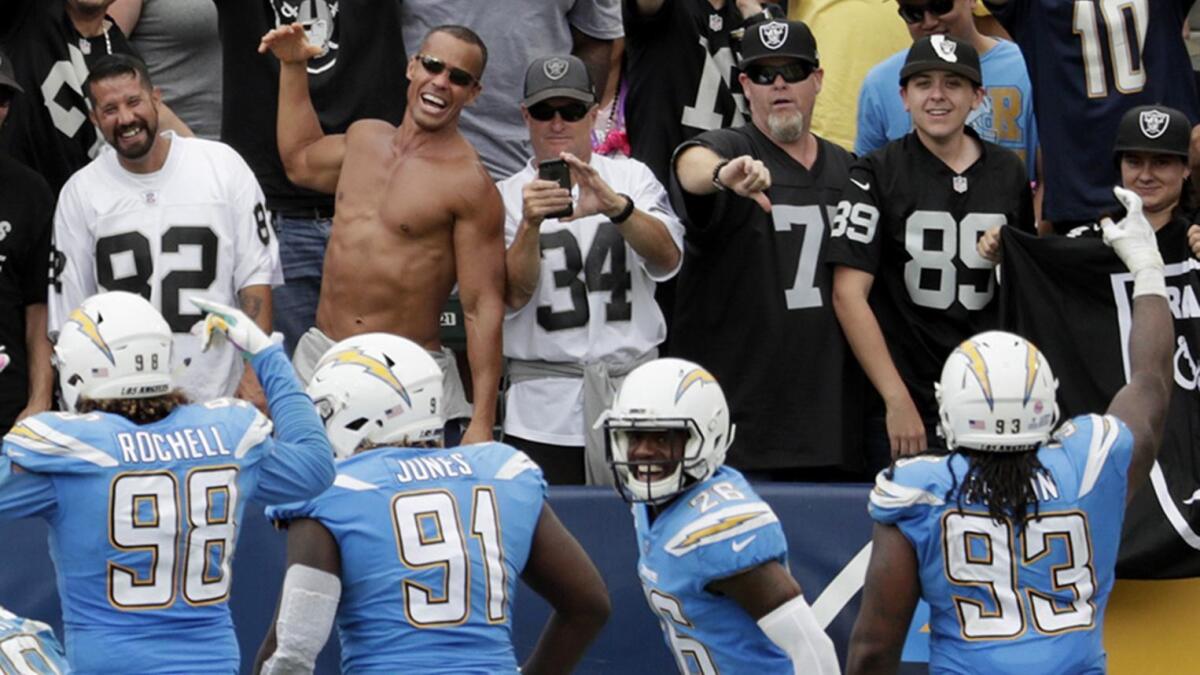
point(484, 353)
point(255, 301)
point(649, 237)
point(694, 169)
point(595, 54)
point(38, 350)
point(297, 124)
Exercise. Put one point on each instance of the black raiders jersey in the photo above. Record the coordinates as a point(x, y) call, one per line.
point(682, 77)
point(754, 307)
point(911, 221)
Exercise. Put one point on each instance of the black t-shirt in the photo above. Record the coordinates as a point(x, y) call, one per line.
point(362, 77)
point(912, 222)
point(682, 78)
point(26, 215)
point(51, 134)
point(754, 307)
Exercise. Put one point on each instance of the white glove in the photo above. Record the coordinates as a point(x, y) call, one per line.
point(1134, 242)
point(223, 322)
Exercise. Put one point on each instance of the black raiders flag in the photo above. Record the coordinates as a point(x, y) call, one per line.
point(1071, 297)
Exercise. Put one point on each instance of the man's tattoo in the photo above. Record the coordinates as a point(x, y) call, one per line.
point(250, 303)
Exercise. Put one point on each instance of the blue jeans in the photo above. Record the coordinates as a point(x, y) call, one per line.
point(302, 244)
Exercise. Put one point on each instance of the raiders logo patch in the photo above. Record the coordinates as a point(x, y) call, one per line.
point(773, 34)
point(945, 49)
point(555, 68)
point(1153, 123)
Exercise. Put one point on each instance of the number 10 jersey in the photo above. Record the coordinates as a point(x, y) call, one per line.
point(197, 226)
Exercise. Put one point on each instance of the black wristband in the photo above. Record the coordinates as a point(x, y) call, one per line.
point(717, 175)
point(625, 212)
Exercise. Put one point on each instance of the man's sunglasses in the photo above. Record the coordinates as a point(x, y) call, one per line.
point(916, 13)
point(434, 66)
point(797, 71)
point(569, 112)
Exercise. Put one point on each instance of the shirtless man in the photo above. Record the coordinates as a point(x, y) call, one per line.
point(414, 212)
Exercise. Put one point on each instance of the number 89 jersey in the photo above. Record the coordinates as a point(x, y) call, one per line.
point(912, 222)
point(432, 543)
point(195, 227)
point(1017, 600)
point(712, 531)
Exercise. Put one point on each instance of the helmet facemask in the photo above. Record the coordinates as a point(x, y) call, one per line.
point(654, 480)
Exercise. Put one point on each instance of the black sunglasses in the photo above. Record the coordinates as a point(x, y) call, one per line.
point(569, 112)
point(916, 13)
point(797, 71)
point(434, 66)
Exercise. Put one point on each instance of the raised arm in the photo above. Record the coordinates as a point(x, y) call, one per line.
point(307, 604)
point(479, 259)
point(851, 288)
point(1142, 403)
point(745, 176)
point(311, 158)
point(562, 573)
point(523, 259)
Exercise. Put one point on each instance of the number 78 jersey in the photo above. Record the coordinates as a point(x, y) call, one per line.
point(1017, 600)
point(197, 226)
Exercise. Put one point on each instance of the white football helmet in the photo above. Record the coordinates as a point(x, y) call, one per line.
point(114, 345)
point(664, 395)
point(997, 394)
point(380, 388)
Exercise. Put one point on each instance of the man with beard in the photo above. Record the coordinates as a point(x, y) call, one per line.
point(756, 202)
point(416, 212)
point(911, 215)
point(164, 217)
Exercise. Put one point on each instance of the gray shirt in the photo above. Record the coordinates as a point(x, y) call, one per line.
point(515, 32)
point(179, 42)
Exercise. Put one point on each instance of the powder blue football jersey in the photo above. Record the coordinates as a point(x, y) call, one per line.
point(144, 518)
point(1017, 600)
point(432, 544)
point(713, 530)
point(28, 647)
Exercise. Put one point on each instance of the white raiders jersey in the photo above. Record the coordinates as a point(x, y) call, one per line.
point(594, 300)
point(198, 226)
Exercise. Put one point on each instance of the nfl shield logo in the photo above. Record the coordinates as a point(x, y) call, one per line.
point(960, 184)
point(773, 34)
point(1153, 123)
point(555, 68)
point(715, 22)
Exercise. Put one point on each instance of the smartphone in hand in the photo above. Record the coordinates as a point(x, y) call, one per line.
point(558, 171)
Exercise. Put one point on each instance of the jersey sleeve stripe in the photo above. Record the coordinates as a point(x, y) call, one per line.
point(889, 494)
point(259, 430)
point(720, 525)
point(351, 483)
point(39, 437)
point(516, 465)
point(1105, 432)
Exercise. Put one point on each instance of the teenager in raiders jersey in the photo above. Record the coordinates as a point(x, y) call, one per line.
point(143, 492)
point(164, 217)
point(754, 279)
point(1012, 538)
point(908, 282)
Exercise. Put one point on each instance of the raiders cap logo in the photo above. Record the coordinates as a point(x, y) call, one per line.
point(945, 49)
point(555, 68)
point(773, 34)
point(1153, 123)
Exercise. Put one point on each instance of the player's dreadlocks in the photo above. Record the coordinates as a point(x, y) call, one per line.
point(1003, 481)
point(137, 410)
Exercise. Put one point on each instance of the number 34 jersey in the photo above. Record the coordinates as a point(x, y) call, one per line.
point(1017, 600)
point(432, 543)
point(713, 530)
point(912, 222)
point(195, 227)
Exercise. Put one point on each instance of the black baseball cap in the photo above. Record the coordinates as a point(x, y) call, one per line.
point(788, 39)
point(8, 77)
point(558, 76)
point(942, 52)
point(1153, 128)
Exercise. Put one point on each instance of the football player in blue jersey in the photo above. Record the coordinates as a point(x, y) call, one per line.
point(1012, 537)
point(713, 558)
point(416, 549)
point(144, 492)
point(28, 647)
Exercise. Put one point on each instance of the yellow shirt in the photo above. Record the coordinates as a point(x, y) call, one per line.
point(852, 36)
